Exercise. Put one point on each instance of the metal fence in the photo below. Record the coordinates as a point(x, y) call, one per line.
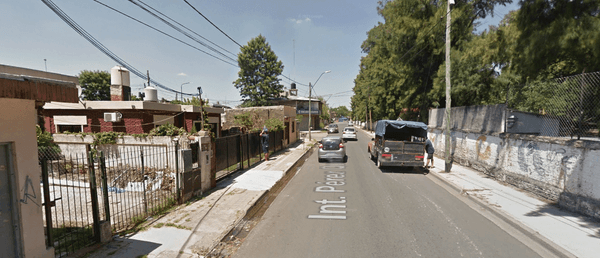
point(122, 184)
point(244, 150)
point(568, 106)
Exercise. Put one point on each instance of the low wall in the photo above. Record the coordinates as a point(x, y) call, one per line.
point(558, 169)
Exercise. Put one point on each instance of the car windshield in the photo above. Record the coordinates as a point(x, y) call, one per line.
point(349, 130)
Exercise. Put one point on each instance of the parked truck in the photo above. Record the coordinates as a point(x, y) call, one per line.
point(398, 143)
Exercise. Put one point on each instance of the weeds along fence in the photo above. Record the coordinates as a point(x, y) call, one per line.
point(242, 151)
point(568, 106)
point(123, 184)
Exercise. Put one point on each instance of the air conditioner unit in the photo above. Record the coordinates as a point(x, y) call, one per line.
point(113, 117)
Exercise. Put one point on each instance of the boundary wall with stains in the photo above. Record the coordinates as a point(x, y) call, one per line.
point(560, 169)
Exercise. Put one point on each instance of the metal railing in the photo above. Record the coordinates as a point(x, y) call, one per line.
point(236, 152)
point(123, 184)
point(568, 106)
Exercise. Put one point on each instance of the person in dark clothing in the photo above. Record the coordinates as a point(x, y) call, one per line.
point(430, 150)
point(264, 134)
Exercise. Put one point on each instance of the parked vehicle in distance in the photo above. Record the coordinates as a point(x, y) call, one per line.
point(350, 123)
point(331, 148)
point(333, 128)
point(349, 133)
point(398, 143)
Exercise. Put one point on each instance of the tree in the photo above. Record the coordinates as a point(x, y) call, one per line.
point(341, 111)
point(259, 70)
point(95, 85)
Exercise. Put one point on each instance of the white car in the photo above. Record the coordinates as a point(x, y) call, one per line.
point(349, 133)
point(350, 123)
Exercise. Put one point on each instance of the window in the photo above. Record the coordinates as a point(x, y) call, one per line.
point(293, 126)
point(70, 128)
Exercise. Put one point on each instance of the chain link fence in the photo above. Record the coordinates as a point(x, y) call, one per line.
point(563, 107)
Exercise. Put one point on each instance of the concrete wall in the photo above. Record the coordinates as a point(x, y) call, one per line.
point(488, 119)
point(559, 169)
point(17, 126)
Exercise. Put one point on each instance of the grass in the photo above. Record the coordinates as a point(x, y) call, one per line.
point(159, 225)
point(69, 239)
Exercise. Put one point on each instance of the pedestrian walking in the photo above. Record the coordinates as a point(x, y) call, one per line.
point(430, 150)
point(264, 134)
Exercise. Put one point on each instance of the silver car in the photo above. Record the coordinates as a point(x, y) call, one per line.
point(349, 133)
point(331, 147)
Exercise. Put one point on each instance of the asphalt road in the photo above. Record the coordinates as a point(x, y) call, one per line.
point(366, 212)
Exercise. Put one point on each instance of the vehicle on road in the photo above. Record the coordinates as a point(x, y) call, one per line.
point(331, 148)
point(398, 143)
point(349, 133)
point(350, 123)
point(333, 128)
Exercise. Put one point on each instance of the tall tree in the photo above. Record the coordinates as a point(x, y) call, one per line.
point(95, 85)
point(259, 70)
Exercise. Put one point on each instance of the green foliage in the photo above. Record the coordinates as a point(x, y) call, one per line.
point(46, 145)
point(95, 85)
point(192, 101)
point(274, 124)
point(245, 120)
point(259, 70)
point(341, 111)
point(167, 130)
point(324, 111)
point(403, 72)
point(106, 138)
point(134, 98)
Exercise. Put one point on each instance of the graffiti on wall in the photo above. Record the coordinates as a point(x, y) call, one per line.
point(481, 141)
point(29, 193)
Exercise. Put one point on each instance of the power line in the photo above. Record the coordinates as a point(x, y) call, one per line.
point(101, 47)
point(188, 28)
point(441, 19)
point(181, 30)
point(162, 32)
point(211, 22)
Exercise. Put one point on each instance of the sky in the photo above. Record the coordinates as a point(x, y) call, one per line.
point(308, 36)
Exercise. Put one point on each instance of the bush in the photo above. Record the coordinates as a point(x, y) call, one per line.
point(167, 130)
point(274, 124)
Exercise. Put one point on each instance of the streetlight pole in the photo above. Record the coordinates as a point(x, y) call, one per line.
point(181, 91)
point(310, 106)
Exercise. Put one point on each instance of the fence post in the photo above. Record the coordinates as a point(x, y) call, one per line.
point(104, 186)
point(47, 206)
point(94, 197)
point(144, 180)
point(177, 170)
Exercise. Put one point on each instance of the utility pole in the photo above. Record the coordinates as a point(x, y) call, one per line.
point(201, 108)
point(448, 160)
point(309, 111)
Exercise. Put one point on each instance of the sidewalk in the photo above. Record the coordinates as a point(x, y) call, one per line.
point(567, 234)
point(193, 230)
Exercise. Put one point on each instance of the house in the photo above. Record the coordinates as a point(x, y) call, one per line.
point(290, 98)
point(261, 114)
point(21, 201)
point(122, 115)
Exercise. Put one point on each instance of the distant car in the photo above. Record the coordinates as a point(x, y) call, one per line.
point(333, 128)
point(350, 123)
point(331, 148)
point(349, 133)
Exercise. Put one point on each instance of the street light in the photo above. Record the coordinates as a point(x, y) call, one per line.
point(309, 105)
point(181, 91)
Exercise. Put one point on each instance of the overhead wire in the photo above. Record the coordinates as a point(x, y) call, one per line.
point(187, 28)
point(103, 48)
point(181, 30)
point(164, 33)
point(211, 23)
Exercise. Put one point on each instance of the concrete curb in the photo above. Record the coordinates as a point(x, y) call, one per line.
point(524, 229)
point(258, 200)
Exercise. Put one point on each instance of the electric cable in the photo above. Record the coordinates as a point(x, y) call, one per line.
point(182, 31)
point(187, 28)
point(162, 32)
point(101, 47)
point(211, 22)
